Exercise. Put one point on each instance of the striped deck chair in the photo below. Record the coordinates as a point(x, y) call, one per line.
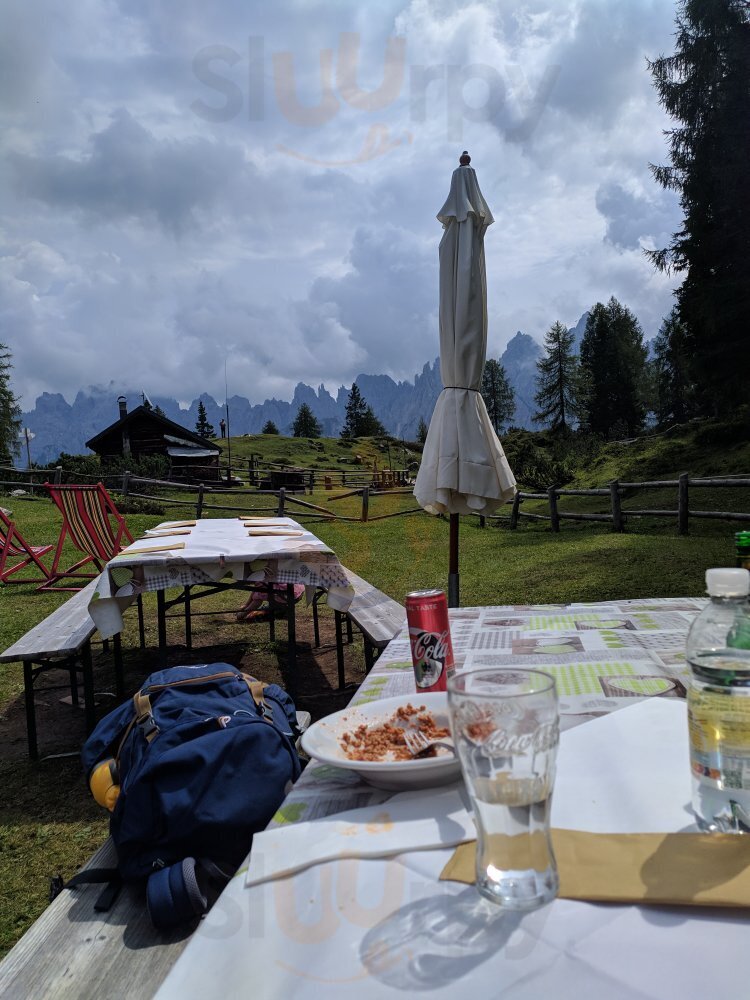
point(16, 553)
point(93, 524)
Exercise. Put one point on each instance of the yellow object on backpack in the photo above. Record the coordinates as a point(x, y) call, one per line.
point(104, 783)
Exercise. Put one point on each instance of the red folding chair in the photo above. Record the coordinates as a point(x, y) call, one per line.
point(15, 553)
point(93, 524)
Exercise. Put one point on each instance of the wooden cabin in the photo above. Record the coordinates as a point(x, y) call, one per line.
point(143, 432)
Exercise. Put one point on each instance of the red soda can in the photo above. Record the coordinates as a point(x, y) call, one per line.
point(430, 638)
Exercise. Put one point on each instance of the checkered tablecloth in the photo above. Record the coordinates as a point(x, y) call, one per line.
point(602, 656)
point(215, 550)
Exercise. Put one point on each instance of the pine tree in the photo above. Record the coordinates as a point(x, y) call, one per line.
point(557, 380)
point(705, 87)
point(360, 420)
point(202, 426)
point(10, 411)
point(305, 423)
point(675, 391)
point(498, 394)
point(270, 428)
point(370, 426)
point(422, 430)
point(613, 359)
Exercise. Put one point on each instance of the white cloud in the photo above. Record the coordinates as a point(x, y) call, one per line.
point(143, 241)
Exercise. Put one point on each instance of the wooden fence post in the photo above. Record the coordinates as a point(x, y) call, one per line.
point(199, 503)
point(125, 483)
point(682, 504)
point(554, 517)
point(58, 475)
point(365, 503)
point(614, 494)
point(311, 483)
point(514, 511)
point(282, 501)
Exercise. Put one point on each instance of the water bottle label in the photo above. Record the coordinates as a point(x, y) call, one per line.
point(719, 727)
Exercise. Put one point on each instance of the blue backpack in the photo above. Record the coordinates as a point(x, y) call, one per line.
point(191, 768)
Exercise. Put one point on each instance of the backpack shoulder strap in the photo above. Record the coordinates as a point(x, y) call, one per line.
point(257, 689)
point(109, 877)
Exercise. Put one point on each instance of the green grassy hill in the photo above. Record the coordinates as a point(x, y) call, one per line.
point(320, 454)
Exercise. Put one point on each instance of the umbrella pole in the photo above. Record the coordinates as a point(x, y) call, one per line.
point(453, 563)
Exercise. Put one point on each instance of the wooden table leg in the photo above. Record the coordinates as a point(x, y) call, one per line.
point(162, 626)
point(88, 688)
point(291, 624)
point(119, 682)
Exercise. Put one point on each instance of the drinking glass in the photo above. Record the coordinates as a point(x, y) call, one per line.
point(505, 725)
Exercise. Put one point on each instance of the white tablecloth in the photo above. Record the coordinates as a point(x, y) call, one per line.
point(216, 549)
point(387, 928)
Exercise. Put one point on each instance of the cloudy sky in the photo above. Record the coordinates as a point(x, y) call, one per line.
point(185, 185)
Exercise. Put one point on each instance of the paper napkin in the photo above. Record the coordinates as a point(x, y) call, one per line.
point(687, 869)
point(153, 548)
point(166, 532)
point(283, 532)
point(409, 821)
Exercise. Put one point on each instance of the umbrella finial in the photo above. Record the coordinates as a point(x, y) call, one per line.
point(464, 159)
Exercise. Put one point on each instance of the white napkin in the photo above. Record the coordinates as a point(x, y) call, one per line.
point(409, 821)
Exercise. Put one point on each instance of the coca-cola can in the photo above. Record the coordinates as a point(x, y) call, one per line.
point(430, 638)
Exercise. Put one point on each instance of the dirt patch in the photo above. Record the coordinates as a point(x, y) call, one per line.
point(217, 637)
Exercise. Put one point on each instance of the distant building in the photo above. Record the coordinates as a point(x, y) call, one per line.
point(143, 432)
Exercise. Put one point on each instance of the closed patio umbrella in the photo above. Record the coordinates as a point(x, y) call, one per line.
point(464, 469)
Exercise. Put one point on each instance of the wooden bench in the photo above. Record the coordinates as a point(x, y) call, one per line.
point(73, 951)
point(61, 642)
point(377, 616)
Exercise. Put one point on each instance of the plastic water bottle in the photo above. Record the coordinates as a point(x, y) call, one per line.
point(718, 652)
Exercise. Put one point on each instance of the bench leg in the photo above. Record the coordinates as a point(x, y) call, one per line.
point(337, 615)
point(73, 671)
point(28, 694)
point(88, 688)
point(349, 633)
point(369, 656)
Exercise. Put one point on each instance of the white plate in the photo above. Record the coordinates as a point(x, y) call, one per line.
point(321, 741)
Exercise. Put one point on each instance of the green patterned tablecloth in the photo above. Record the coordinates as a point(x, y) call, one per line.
point(601, 655)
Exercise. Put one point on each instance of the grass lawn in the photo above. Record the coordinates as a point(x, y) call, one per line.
point(49, 824)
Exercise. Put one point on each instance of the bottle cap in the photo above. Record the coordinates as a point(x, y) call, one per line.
point(728, 582)
point(742, 539)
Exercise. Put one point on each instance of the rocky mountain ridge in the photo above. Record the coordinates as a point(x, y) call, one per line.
point(59, 426)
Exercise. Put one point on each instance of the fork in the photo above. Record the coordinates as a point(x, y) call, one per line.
point(417, 743)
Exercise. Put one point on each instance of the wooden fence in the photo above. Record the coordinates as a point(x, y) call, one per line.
point(279, 501)
point(617, 515)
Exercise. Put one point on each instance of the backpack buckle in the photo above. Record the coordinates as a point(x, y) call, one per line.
point(148, 727)
point(144, 717)
point(267, 711)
